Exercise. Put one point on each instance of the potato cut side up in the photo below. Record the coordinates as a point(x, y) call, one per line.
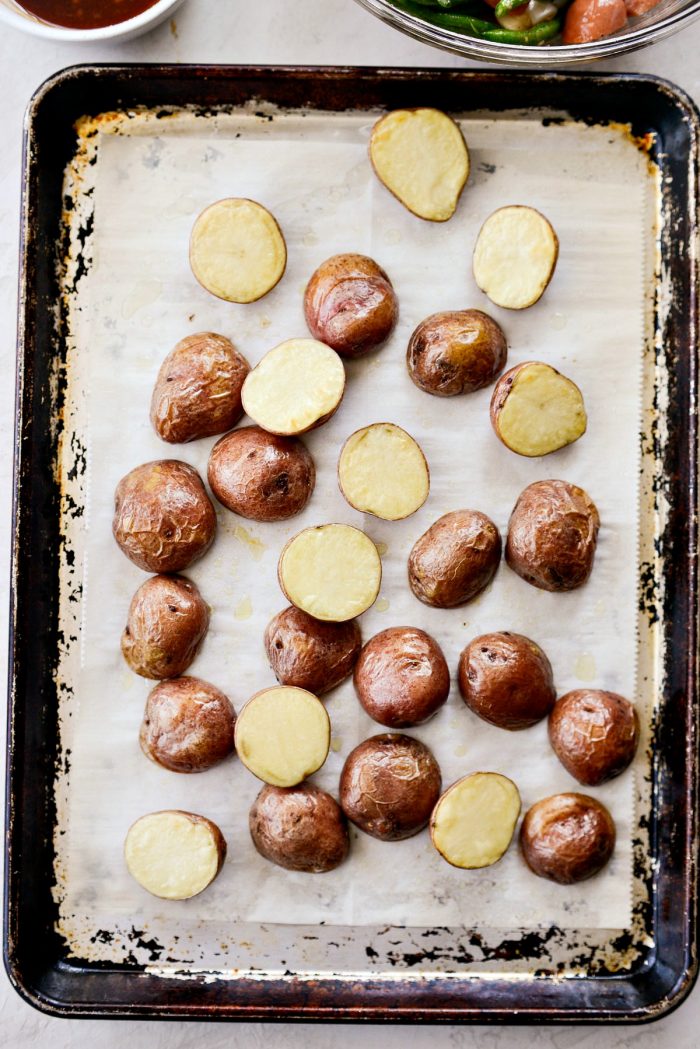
point(537, 410)
point(331, 571)
point(296, 386)
point(174, 854)
point(237, 251)
point(473, 822)
point(514, 257)
point(283, 735)
point(382, 471)
point(421, 157)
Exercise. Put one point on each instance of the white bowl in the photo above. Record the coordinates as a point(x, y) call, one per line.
point(13, 15)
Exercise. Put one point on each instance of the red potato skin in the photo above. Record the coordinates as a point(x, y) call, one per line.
point(567, 838)
point(552, 535)
point(456, 352)
point(594, 734)
point(260, 475)
point(198, 389)
point(455, 559)
point(588, 20)
point(401, 677)
point(299, 828)
point(311, 654)
point(167, 622)
point(163, 517)
point(389, 786)
point(350, 304)
point(188, 725)
point(506, 679)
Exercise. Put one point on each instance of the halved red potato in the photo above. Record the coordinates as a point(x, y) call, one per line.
point(283, 735)
point(536, 410)
point(421, 157)
point(382, 471)
point(473, 822)
point(515, 256)
point(174, 854)
point(296, 386)
point(237, 251)
point(331, 571)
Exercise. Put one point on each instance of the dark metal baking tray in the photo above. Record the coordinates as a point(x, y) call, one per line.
point(35, 956)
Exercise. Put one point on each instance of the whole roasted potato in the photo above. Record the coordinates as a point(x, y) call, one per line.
point(458, 351)
point(187, 725)
point(389, 786)
point(198, 389)
point(594, 734)
point(301, 828)
point(552, 535)
point(260, 475)
point(310, 654)
point(455, 559)
point(168, 619)
point(506, 679)
point(163, 518)
point(350, 305)
point(401, 677)
point(567, 837)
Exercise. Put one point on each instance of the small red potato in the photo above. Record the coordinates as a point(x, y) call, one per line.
point(456, 352)
point(402, 677)
point(283, 735)
point(310, 654)
point(552, 535)
point(389, 786)
point(421, 157)
point(515, 256)
point(198, 389)
point(567, 838)
point(536, 410)
point(473, 822)
point(299, 828)
point(455, 560)
point(167, 622)
point(296, 387)
point(350, 304)
point(237, 251)
point(261, 475)
point(594, 734)
point(163, 517)
point(506, 679)
point(588, 20)
point(382, 471)
point(173, 854)
point(187, 725)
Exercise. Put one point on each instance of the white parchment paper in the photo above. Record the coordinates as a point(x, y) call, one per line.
point(139, 298)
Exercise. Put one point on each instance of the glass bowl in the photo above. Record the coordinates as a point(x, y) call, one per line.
point(14, 15)
point(667, 17)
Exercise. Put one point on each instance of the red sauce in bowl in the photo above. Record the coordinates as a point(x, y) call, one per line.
point(85, 14)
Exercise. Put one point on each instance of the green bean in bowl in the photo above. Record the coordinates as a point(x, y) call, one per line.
point(531, 23)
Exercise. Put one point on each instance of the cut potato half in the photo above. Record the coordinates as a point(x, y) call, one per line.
point(296, 386)
point(514, 257)
point(331, 571)
point(473, 822)
point(283, 735)
point(421, 157)
point(382, 471)
point(174, 854)
point(536, 410)
point(237, 251)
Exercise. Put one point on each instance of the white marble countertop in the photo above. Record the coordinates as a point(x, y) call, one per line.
point(273, 31)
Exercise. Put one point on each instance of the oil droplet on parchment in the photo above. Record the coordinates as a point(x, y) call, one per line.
point(256, 546)
point(461, 750)
point(265, 322)
point(244, 609)
point(382, 605)
point(336, 744)
point(557, 321)
point(381, 548)
point(141, 295)
point(310, 238)
point(584, 667)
